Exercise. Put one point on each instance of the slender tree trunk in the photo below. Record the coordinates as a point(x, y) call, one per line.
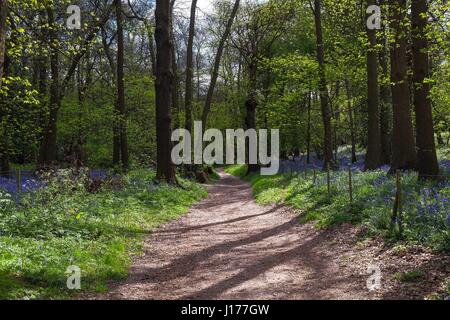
point(164, 78)
point(189, 94)
point(308, 131)
point(151, 45)
point(373, 155)
point(198, 67)
point(426, 148)
point(4, 158)
point(4, 121)
point(3, 28)
point(335, 110)
point(215, 72)
point(175, 89)
point(121, 89)
point(47, 155)
point(175, 83)
point(326, 113)
point(251, 104)
point(351, 122)
point(404, 155)
point(116, 113)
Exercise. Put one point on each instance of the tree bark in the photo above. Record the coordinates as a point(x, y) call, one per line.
point(164, 78)
point(373, 155)
point(308, 130)
point(121, 89)
point(116, 131)
point(426, 147)
point(189, 93)
point(350, 120)
point(47, 154)
point(4, 157)
point(151, 46)
point(404, 155)
point(175, 87)
point(385, 105)
point(3, 28)
point(217, 60)
point(251, 104)
point(325, 108)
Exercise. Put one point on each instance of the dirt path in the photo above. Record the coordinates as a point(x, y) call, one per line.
point(229, 247)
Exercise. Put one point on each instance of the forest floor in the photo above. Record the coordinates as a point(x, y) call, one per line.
point(229, 247)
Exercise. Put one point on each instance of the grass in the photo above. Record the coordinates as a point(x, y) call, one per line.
point(62, 225)
point(425, 206)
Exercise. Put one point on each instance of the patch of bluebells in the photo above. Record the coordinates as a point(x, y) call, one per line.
point(29, 181)
point(445, 164)
point(428, 210)
point(297, 164)
point(99, 174)
point(426, 205)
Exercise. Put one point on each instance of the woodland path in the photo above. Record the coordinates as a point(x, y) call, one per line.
point(229, 247)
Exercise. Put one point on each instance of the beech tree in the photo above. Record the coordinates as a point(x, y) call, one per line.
point(217, 60)
point(426, 148)
point(164, 78)
point(4, 161)
point(189, 93)
point(3, 28)
point(373, 156)
point(325, 107)
point(404, 154)
point(120, 82)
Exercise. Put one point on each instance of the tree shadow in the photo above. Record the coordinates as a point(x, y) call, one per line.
point(320, 275)
point(177, 267)
point(231, 221)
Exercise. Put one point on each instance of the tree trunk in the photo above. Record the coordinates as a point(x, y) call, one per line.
point(116, 131)
point(373, 155)
point(189, 94)
point(404, 155)
point(121, 107)
point(151, 48)
point(4, 121)
point(426, 148)
point(47, 154)
point(351, 122)
point(3, 27)
point(164, 78)
point(325, 108)
point(308, 131)
point(250, 105)
point(4, 158)
point(385, 105)
point(217, 60)
point(175, 89)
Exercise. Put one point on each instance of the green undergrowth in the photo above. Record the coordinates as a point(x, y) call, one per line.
point(426, 207)
point(63, 225)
